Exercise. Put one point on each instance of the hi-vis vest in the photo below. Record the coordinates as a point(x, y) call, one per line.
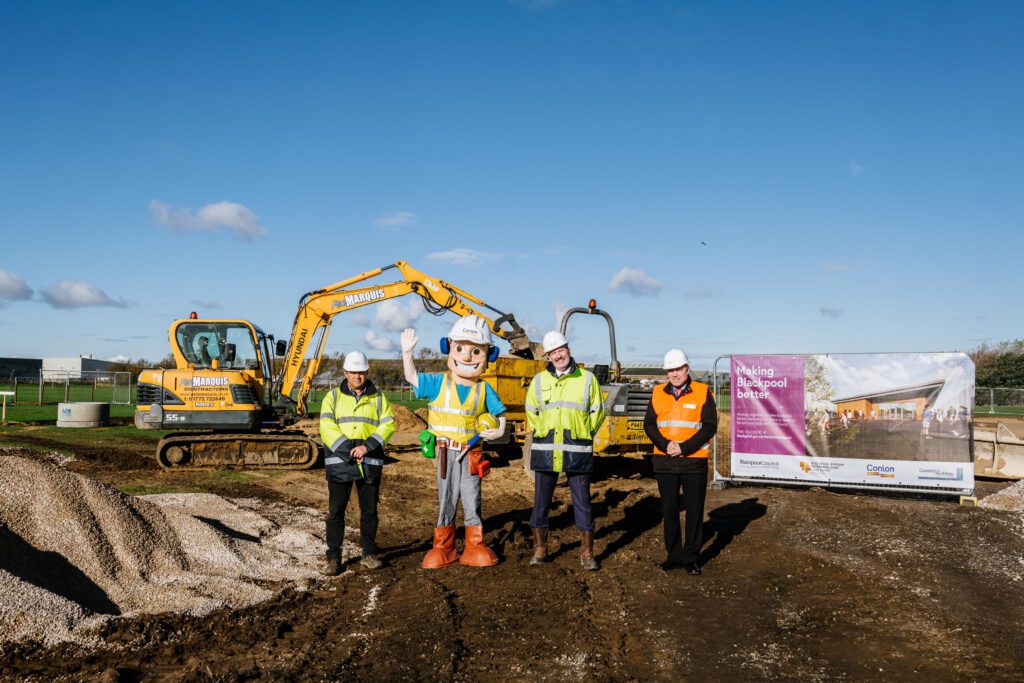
point(452, 419)
point(343, 417)
point(679, 418)
point(564, 413)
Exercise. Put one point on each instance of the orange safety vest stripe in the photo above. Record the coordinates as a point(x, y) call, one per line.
point(679, 419)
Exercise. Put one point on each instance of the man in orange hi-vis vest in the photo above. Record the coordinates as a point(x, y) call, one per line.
point(681, 419)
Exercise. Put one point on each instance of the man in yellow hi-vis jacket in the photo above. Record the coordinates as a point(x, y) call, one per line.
point(564, 409)
point(356, 423)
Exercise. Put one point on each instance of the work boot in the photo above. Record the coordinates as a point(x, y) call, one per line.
point(587, 551)
point(476, 554)
point(370, 561)
point(332, 568)
point(443, 553)
point(540, 547)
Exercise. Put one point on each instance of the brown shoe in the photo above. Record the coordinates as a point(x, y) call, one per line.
point(540, 547)
point(587, 551)
point(331, 568)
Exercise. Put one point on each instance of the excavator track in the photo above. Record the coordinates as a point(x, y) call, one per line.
point(277, 451)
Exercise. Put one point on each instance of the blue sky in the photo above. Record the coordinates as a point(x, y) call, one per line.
point(853, 168)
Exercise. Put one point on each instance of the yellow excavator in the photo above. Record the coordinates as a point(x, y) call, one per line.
point(235, 410)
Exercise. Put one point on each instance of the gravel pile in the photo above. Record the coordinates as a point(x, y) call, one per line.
point(1010, 499)
point(74, 552)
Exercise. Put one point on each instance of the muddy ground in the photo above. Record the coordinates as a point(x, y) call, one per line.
point(798, 584)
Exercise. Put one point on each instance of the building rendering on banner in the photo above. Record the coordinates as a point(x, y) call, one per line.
point(904, 403)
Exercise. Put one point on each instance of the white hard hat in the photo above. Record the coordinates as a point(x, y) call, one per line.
point(471, 328)
point(675, 359)
point(355, 361)
point(554, 340)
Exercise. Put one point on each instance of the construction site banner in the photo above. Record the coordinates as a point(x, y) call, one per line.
point(888, 420)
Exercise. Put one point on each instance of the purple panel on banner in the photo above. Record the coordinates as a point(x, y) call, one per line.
point(768, 405)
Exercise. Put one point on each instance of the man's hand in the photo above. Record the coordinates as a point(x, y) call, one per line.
point(358, 452)
point(673, 449)
point(409, 340)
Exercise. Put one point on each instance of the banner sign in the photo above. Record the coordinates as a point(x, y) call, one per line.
point(893, 420)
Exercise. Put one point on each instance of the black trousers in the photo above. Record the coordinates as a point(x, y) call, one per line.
point(694, 486)
point(337, 497)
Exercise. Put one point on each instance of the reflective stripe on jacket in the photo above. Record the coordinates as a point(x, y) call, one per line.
point(450, 418)
point(679, 418)
point(345, 419)
point(564, 414)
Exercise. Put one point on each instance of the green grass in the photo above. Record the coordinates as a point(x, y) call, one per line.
point(33, 413)
point(981, 411)
point(122, 435)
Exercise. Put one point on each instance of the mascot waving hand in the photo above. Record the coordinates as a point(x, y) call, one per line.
point(458, 400)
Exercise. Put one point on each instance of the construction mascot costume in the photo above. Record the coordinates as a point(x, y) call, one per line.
point(458, 398)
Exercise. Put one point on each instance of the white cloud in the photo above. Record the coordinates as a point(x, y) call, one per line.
point(699, 293)
point(231, 216)
point(212, 305)
point(462, 257)
point(856, 169)
point(12, 287)
point(394, 317)
point(830, 311)
point(634, 282)
point(119, 358)
point(397, 221)
point(379, 343)
point(68, 294)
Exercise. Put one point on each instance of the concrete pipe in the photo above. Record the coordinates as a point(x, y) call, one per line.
point(83, 414)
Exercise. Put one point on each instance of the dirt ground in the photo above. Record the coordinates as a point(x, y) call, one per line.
point(798, 584)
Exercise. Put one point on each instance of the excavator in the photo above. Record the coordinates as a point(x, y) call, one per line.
point(235, 410)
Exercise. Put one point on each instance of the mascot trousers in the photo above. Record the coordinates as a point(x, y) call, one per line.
point(458, 483)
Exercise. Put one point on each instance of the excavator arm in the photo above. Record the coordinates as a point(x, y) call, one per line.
point(318, 308)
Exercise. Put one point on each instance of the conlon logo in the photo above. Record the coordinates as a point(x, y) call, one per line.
point(887, 471)
point(361, 298)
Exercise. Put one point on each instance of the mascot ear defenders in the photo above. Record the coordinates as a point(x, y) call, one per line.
point(492, 352)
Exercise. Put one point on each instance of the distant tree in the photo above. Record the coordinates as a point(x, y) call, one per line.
point(816, 380)
point(1000, 364)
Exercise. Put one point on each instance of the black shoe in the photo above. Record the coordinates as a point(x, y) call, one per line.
point(692, 568)
point(668, 565)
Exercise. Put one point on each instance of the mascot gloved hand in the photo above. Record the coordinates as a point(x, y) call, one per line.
point(456, 399)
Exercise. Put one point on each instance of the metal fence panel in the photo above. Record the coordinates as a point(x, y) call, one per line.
point(41, 387)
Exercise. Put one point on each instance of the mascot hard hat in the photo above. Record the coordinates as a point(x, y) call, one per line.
point(471, 328)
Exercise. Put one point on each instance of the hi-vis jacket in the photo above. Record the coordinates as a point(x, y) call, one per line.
point(564, 413)
point(347, 421)
point(452, 419)
point(679, 419)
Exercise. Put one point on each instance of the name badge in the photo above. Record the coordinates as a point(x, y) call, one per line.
point(691, 406)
